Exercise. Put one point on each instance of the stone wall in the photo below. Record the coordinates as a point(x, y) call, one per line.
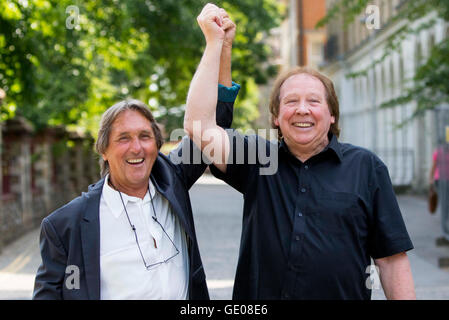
point(41, 171)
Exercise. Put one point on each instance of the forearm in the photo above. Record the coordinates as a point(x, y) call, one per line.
point(224, 76)
point(202, 96)
point(396, 277)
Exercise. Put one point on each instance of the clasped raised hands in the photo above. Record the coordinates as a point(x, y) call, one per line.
point(216, 25)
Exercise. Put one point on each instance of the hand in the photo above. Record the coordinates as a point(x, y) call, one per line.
point(228, 27)
point(211, 23)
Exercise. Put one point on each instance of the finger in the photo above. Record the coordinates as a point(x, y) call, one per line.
point(223, 13)
point(210, 13)
point(218, 20)
point(227, 24)
point(213, 11)
point(210, 6)
point(208, 9)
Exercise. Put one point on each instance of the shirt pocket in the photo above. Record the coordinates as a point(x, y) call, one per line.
point(336, 213)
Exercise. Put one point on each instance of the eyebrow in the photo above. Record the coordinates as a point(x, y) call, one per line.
point(290, 96)
point(124, 133)
point(295, 95)
point(315, 95)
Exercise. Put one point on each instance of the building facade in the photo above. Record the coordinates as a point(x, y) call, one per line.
point(405, 146)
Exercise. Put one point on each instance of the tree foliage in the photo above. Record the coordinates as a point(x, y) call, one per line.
point(66, 61)
point(429, 87)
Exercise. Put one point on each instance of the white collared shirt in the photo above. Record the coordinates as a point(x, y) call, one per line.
point(122, 271)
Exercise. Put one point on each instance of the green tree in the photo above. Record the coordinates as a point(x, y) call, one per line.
point(66, 61)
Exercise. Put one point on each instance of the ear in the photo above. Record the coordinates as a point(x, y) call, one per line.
point(104, 157)
point(332, 119)
point(276, 121)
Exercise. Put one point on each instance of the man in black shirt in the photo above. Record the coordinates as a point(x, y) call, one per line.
point(312, 225)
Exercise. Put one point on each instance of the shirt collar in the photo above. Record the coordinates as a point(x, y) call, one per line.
point(333, 145)
point(113, 201)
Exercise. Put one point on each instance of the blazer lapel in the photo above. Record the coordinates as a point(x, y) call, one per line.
point(167, 190)
point(90, 241)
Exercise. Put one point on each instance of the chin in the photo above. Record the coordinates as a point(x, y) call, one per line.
point(301, 140)
point(136, 180)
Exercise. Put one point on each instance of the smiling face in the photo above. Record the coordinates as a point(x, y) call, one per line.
point(304, 117)
point(131, 152)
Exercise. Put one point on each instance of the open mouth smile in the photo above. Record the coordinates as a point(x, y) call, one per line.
point(135, 161)
point(303, 124)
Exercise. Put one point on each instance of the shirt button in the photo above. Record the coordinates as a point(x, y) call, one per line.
point(306, 167)
point(303, 190)
point(299, 214)
point(297, 238)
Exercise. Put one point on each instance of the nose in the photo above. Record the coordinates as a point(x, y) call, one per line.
point(135, 146)
point(302, 109)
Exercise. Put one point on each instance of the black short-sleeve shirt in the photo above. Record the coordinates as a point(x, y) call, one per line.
point(310, 229)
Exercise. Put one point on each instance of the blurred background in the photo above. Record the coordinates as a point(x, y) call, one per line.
point(63, 63)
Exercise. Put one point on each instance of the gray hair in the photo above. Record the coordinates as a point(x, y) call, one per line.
point(108, 118)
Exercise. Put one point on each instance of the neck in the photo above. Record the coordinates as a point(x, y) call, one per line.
point(305, 152)
point(138, 192)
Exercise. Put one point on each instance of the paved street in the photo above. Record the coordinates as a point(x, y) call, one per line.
point(217, 209)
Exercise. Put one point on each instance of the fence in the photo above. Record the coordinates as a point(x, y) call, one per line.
point(40, 172)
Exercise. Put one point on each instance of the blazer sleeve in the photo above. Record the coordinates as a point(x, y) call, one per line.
point(50, 274)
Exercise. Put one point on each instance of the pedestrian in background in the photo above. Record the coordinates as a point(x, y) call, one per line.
point(439, 177)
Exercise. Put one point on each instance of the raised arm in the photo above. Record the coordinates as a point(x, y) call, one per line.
point(224, 76)
point(200, 120)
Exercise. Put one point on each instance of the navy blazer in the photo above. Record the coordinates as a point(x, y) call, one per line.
point(70, 236)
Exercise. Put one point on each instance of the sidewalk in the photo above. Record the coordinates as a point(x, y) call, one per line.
point(20, 260)
point(18, 265)
point(431, 282)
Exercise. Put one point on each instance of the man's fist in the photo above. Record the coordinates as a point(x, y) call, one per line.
point(228, 27)
point(210, 21)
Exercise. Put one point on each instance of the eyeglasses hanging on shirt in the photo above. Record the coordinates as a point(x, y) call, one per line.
point(151, 265)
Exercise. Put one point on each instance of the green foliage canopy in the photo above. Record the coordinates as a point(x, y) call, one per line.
point(66, 61)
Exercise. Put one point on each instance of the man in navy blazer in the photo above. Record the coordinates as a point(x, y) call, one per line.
point(74, 237)
point(70, 236)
